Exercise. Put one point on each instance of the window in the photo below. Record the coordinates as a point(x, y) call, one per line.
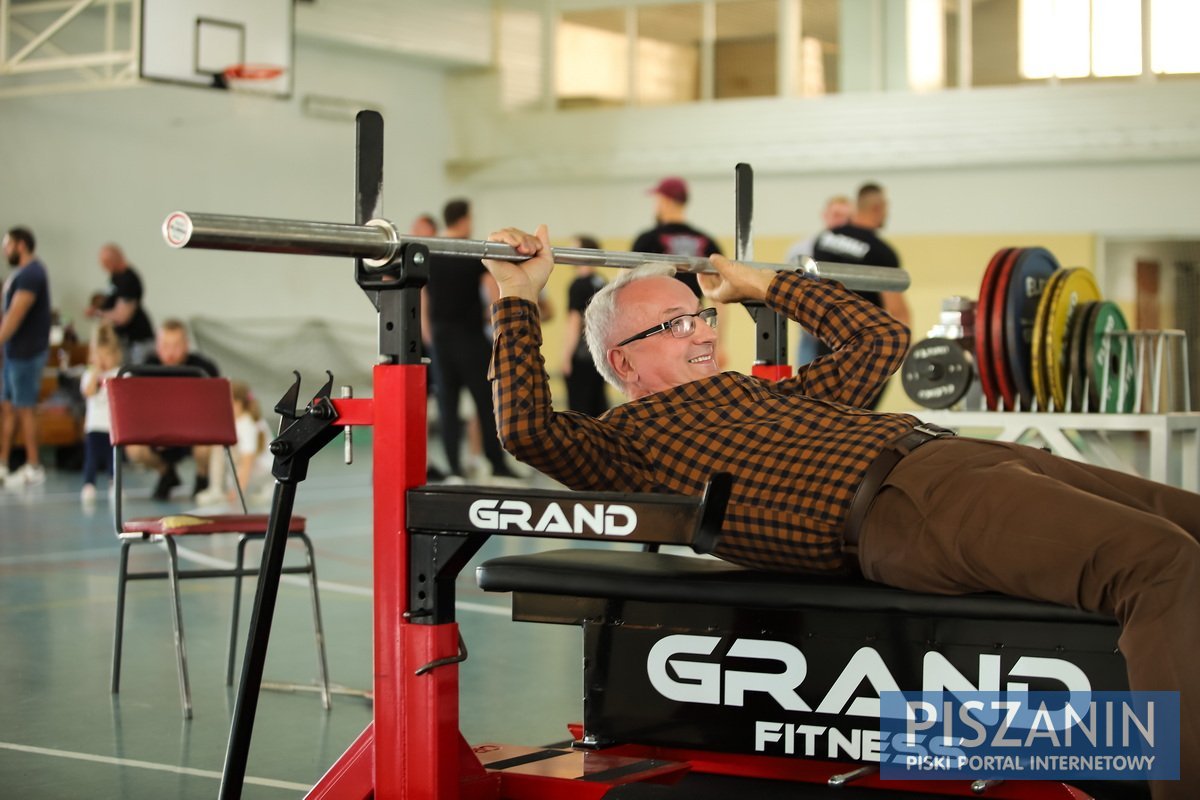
point(744, 53)
point(669, 39)
point(592, 58)
point(1174, 29)
point(1081, 38)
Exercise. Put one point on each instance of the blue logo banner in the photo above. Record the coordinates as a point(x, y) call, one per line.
point(1031, 735)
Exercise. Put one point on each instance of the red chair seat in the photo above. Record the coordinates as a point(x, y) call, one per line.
point(184, 524)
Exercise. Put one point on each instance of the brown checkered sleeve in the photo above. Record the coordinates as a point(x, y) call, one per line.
point(868, 343)
point(575, 448)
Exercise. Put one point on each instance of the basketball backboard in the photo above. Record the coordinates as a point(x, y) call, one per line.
point(196, 42)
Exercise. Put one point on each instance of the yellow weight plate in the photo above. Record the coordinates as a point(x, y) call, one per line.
point(1077, 287)
point(1037, 345)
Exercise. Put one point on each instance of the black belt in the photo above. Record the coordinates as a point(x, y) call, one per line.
point(880, 468)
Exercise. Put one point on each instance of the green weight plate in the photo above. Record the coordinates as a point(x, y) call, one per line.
point(1077, 287)
point(1113, 388)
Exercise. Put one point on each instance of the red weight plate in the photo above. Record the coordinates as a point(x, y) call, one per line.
point(983, 330)
point(1005, 385)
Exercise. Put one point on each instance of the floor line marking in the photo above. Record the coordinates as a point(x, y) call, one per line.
point(334, 586)
point(130, 762)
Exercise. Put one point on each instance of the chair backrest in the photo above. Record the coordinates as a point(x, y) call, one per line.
point(171, 411)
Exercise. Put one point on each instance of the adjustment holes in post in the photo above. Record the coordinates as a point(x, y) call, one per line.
point(421, 595)
point(389, 325)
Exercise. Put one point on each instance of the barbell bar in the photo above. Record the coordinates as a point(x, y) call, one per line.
point(378, 242)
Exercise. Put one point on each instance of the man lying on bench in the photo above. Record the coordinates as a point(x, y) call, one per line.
point(820, 485)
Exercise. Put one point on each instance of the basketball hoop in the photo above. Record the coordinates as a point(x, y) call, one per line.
point(250, 77)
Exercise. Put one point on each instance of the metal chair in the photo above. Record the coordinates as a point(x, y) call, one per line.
point(176, 407)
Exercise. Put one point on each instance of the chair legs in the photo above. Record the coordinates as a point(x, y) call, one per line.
point(322, 664)
point(318, 626)
point(237, 608)
point(177, 617)
point(185, 688)
point(119, 628)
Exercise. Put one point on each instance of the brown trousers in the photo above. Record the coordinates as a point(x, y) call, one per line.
point(964, 515)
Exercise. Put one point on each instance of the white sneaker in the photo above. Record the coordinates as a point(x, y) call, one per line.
point(27, 475)
point(88, 493)
point(211, 496)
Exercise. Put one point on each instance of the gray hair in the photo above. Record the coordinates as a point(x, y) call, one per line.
point(601, 315)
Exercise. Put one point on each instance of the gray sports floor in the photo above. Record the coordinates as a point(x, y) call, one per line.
point(63, 734)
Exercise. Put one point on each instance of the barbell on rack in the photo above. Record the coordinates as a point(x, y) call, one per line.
point(378, 242)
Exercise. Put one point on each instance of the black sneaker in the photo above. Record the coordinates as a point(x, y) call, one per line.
point(167, 481)
point(433, 474)
point(201, 485)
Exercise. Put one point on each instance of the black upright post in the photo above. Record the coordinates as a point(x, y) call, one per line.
point(770, 329)
point(246, 705)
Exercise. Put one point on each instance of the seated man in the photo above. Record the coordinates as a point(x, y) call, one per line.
point(820, 485)
point(173, 349)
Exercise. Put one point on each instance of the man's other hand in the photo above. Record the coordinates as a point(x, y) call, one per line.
point(735, 282)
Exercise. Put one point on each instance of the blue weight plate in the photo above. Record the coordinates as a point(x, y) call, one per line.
point(1030, 274)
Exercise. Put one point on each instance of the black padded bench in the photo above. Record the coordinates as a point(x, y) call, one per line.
point(665, 577)
point(665, 635)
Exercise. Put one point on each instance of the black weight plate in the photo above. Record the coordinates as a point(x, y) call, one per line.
point(937, 373)
point(1030, 275)
point(1077, 354)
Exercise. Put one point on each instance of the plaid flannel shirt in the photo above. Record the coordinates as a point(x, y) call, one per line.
point(797, 448)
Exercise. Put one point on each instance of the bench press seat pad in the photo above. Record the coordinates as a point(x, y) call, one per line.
point(667, 577)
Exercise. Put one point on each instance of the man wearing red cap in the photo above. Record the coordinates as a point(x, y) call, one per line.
point(672, 234)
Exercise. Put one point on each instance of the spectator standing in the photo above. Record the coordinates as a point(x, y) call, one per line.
point(585, 385)
point(104, 361)
point(455, 310)
point(172, 348)
point(25, 334)
point(122, 306)
point(671, 233)
point(858, 242)
point(837, 212)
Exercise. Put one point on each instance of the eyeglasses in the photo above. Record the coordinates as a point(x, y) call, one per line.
point(680, 327)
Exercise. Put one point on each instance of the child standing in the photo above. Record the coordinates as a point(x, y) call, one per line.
point(251, 458)
point(104, 360)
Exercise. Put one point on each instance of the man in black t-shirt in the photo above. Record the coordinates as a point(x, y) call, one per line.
point(673, 235)
point(857, 242)
point(585, 385)
point(122, 305)
point(454, 318)
point(172, 348)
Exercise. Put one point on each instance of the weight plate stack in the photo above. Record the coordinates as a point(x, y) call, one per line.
point(1030, 274)
point(983, 329)
point(1116, 395)
point(937, 373)
point(1076, 288)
